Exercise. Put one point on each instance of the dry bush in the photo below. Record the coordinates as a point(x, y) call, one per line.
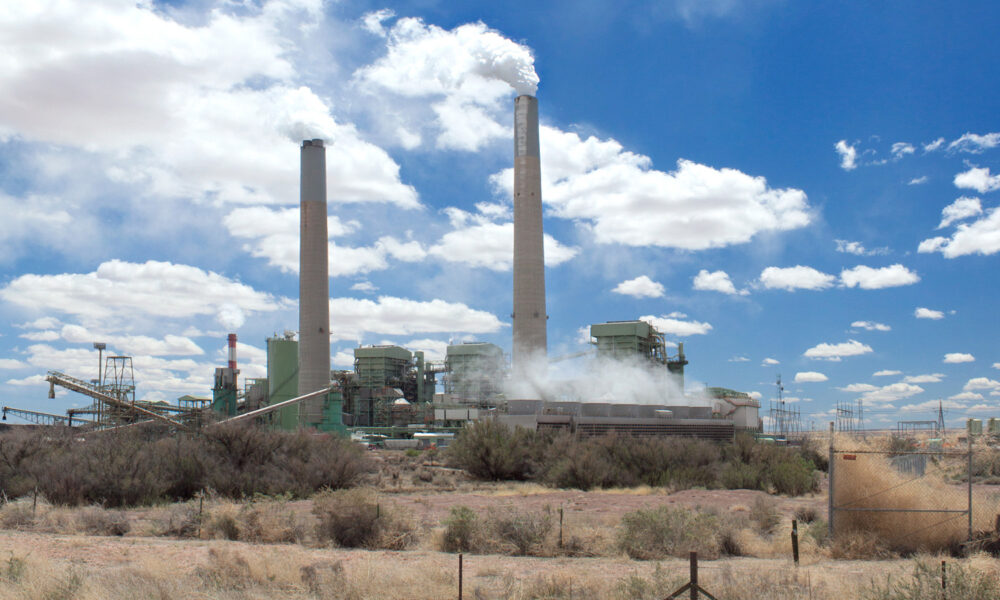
point(522, 533)
point(664, 531)
point(357, 519)
point(269, 522)
point(223, 521)
point(764, 515)
point(463, 531)
point(98, 521)
point(17, 516)
point(180, 520)
point(19, 452)
point(493, 451)
point(806, 514)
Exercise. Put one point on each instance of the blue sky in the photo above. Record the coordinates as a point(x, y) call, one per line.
point(807, 189)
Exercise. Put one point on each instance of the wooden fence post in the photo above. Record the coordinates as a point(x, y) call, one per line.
point(694, 576)
point(795, 542)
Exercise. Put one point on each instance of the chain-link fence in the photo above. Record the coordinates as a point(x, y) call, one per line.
point(912, 500)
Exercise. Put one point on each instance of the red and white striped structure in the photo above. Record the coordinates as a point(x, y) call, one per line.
point(232, 351)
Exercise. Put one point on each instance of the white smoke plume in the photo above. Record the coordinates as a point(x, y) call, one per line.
point(425, 59)
point(602, 380)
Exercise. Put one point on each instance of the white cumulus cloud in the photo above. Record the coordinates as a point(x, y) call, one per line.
point(810, 377)
point(871, 326)
point(978, 179)
point(974, 143)
point(928, 378)
point(886, 373)
point(901, 149)
point(835, 352)
point(622, 200)
point(152, 288)
point(979, 237)
point(959, 210)
point(869, 278)
point(981, 383)
point(848, 155)
point(927, 313)
point(716, 281)
point(858, 248)
point(958, 357)
point(795, 278)
point(400, 316)
point(640, 287)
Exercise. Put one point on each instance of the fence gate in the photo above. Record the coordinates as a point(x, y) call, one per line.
point(914, 500)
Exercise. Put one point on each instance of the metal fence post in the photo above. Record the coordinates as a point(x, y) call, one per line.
point(829, 502)
point(460, 576)
point(970, 484)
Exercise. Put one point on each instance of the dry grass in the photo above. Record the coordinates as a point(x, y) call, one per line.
point(222, 570)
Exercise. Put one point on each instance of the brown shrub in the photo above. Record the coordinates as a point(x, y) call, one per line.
point(357, 519)
point(17, 516)
point(98, 521)
point(764, 515)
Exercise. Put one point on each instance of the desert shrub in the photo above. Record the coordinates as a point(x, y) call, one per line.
point(111, 469)
point(819, 531)
point(269, 522)
point(522, 533)
point(742, 476)
point(964, 582)
point(662, 532)
point(180, 520)
point(356, 519)
point(19, 452)
point(16, 516)
point(490, 450)
point(98, 521)
point(764, 515)
point(986, 465)
point(582, 466)
point(793, 475)
point(463, 530)
point(806, 514)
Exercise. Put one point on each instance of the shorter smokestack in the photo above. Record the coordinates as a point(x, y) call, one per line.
point(232, 351)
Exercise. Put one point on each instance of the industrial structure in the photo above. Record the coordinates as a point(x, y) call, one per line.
point(529, 344)
point(394, 391)
point(657, 412)
point(314, 282)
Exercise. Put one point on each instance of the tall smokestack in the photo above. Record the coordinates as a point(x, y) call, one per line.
point(232, 351)
point(529, 255)
point(314, 282)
